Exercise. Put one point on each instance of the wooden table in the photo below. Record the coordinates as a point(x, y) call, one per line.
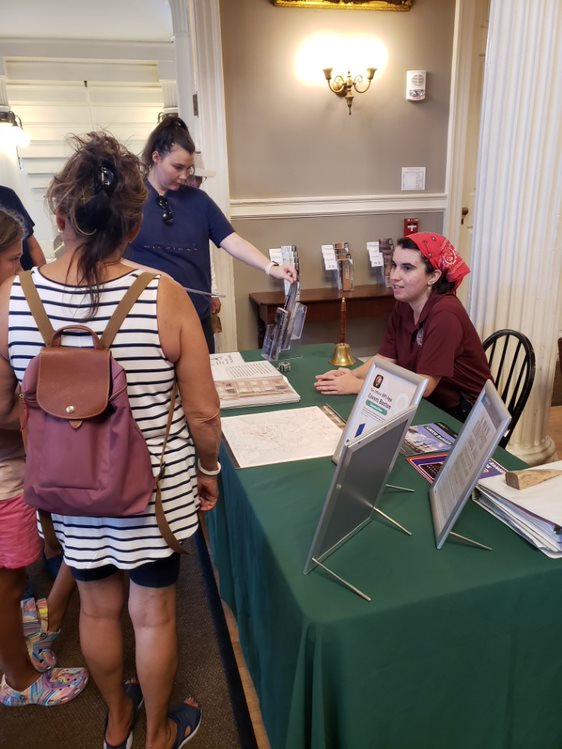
point(369, 300)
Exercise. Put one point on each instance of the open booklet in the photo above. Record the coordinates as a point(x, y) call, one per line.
point(242, 384)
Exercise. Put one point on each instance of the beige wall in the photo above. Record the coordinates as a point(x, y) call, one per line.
point(308, 234)
point(286, 139)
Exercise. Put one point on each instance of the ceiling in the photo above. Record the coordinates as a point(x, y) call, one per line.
point(127, 20)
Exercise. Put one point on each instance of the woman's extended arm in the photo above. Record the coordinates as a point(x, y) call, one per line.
point(184, 344)
point(243, 250)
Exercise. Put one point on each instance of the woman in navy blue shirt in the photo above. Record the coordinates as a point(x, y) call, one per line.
point(178, 222)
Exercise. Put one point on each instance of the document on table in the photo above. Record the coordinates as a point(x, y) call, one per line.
point(225, 359)
point(282, 436)
point(535, 513)
point(257, 383)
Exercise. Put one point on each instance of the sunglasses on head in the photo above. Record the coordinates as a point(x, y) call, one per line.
point(167, 215)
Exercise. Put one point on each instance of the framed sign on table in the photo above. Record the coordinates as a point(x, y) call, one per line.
point(387, 390)
point(481, 434)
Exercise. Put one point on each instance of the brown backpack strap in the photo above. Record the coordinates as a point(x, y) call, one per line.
point(36, 306)
point(163, 524)
point(124, 307)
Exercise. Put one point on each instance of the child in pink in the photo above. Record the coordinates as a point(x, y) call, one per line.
point(27, 662)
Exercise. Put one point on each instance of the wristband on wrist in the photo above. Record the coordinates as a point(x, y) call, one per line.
point(205, 472)
point(269, 266)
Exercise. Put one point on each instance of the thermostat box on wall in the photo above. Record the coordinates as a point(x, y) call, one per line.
point(415, 85)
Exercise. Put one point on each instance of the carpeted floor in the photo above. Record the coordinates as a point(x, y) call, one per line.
point(207, 670)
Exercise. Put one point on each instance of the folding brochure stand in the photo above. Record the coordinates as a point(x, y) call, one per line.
point(288, 325)
point(473, 448)
point(357, 485)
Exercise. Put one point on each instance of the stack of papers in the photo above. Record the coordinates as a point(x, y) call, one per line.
point(535, 513)
point(242, 384)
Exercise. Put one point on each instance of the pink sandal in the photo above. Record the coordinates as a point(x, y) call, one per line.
point(52, 688)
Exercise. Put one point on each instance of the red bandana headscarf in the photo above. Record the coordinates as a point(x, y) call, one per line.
point(441, 254)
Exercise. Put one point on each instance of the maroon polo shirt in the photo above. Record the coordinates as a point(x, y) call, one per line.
point(444, 344)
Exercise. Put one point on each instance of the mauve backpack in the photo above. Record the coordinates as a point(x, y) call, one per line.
point(85, 454)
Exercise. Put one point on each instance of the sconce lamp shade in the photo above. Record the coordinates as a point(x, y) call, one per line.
point(12, 130)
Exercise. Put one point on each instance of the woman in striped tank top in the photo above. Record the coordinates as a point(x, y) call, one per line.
point(97, 200)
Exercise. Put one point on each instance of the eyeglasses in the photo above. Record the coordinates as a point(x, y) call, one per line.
point(167, 215)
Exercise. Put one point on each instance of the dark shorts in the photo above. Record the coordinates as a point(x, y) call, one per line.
point(158, 574)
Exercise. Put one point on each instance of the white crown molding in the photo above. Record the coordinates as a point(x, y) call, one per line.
point(83, 49)
point(338, 205)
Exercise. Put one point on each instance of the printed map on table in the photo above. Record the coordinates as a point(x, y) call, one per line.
point(282, 436)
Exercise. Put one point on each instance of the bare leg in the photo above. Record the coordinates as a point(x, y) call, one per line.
point(101, 638)
point(59, 597)
point(18, 670)
point(153, 613)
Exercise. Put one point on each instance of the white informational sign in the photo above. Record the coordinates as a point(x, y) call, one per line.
point(276, 255)
point(329, 256)
point(479, 437)
point(376, 259)
point(388, 389)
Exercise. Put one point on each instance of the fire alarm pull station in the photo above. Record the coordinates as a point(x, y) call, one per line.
point(411, 226)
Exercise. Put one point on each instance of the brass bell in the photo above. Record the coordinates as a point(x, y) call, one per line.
point(342, 353)
point(342, 356)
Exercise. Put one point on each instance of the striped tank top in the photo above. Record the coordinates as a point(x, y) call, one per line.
point(124, 542)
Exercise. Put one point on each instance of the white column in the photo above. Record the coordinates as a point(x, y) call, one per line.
point(212, 118)
point(517, 248)
point(9, 162)
point(185, 75)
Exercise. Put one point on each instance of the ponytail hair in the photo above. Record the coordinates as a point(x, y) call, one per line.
point(101, 192)
point(170, 131)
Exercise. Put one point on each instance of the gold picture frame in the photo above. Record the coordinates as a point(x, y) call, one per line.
point(347, 4)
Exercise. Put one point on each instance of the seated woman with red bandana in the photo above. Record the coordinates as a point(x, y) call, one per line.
point(429, 331)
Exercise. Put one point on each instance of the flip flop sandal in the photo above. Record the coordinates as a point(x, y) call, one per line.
point(185, 716)
point(133, 690)
point(54, 687)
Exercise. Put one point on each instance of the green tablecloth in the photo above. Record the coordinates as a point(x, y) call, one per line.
point(460, 648)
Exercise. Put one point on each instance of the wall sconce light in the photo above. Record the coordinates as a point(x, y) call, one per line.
point(345, 87)
point(11, 126)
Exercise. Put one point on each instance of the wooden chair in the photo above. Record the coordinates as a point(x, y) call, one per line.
point(512, 362)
